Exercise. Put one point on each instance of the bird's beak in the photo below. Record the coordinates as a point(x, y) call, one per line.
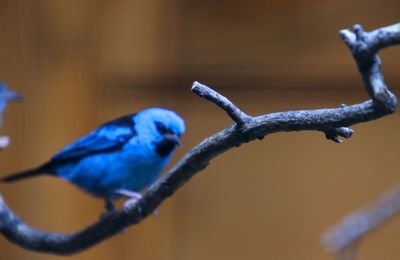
point(13, 96)
point(174, 139)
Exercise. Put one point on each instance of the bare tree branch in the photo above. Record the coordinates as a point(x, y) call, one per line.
point(333, 122)
point(355, 226)
point(233, 111)
point(345, 236)
point(364, 46)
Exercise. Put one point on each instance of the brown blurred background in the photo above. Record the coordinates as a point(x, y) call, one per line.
point(80, 63)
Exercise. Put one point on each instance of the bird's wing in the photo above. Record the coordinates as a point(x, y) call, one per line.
point(108, 137)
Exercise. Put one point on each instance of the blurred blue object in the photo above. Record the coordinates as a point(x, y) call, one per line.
point(6, 95)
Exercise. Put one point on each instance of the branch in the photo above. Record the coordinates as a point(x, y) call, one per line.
point(364, 46)
point(334, 122)
point(344, 238)
point(357, 225)
point(233, 112)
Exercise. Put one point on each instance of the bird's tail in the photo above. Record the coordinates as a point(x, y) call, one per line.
point(25, 174)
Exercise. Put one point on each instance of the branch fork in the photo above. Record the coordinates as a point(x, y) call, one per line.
point(364, 47)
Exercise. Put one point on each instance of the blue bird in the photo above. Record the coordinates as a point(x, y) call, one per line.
point(6, 95)
point(120, 158)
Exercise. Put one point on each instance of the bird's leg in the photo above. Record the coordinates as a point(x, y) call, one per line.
point(133, 197)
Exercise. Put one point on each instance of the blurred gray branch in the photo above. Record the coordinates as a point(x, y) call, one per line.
point(346, 235)
point(334, 122)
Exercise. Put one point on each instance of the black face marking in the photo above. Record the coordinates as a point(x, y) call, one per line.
point(165, 147)
point(162, 129)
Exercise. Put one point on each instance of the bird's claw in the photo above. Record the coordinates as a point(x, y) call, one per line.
point(133, 199)
point(133, 196)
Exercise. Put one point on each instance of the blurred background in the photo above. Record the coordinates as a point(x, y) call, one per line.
point(80, 63)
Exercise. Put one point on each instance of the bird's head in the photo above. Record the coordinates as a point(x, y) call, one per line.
point(160, 126)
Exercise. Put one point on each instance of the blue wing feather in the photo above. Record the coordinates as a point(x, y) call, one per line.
point(108, 137)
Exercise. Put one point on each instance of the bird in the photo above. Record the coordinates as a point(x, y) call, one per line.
point(6, 95)
point(118, 159)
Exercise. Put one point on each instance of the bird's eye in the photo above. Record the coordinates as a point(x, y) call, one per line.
point(161, 128)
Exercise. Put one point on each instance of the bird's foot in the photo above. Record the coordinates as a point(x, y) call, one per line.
point(133, 198)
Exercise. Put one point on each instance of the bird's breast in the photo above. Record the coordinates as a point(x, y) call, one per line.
point(133, 168)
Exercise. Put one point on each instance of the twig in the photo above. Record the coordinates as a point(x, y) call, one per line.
point(251, 128)
point(358, 224)
point(336, 133)
point(233, 111)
